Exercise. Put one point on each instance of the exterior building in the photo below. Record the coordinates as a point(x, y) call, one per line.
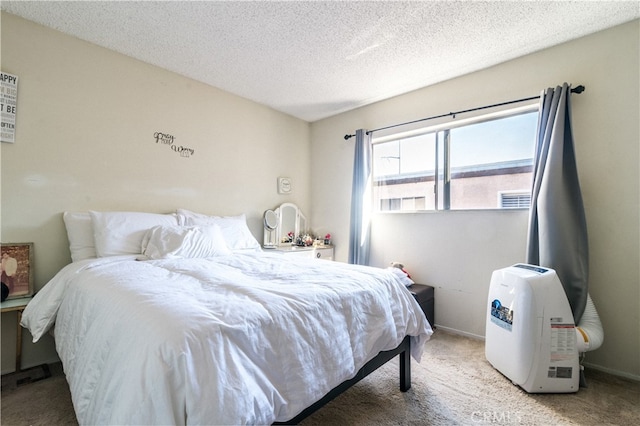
point(485, 186)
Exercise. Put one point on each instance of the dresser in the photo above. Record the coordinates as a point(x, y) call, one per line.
point(320, 252)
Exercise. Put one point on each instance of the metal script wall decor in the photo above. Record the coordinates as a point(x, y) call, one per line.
point(167, 139)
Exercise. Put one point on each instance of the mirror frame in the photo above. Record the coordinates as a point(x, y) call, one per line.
point(270, 221)
point(300, 223)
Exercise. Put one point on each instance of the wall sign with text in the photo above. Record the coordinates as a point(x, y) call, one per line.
point(8, 106)
point(167, 139)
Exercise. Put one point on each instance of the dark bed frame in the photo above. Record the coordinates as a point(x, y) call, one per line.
point(404, 350)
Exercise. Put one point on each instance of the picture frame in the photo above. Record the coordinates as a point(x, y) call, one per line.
point(284, 185)
point(16, 269)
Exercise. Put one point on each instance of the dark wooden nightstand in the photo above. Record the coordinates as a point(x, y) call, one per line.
point(425, 295)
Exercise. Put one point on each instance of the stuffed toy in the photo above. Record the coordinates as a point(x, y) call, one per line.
point(401, 267)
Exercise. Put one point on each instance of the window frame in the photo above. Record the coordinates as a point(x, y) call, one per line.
point(442, 130)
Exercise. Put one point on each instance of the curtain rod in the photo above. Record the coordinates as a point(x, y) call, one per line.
point(579, 89)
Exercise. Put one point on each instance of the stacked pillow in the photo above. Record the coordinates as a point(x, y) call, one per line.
point(183, 234)
point(234, 228)
point(80, 233)
point(164, 242)
point(118, 233)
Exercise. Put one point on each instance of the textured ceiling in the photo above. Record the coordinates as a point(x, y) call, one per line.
point(315, 59)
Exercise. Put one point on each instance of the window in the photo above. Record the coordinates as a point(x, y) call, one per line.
point(459, 165)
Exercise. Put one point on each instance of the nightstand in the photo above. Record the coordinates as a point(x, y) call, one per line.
point(425, 296)
point(18, 306)
point(20, 376)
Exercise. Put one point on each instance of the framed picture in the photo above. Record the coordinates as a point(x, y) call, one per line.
point(284, 185)
point(17, 260)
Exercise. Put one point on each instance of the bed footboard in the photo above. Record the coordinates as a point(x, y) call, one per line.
point(404, 350)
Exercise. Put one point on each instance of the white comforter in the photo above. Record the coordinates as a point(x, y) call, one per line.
point(238, 339)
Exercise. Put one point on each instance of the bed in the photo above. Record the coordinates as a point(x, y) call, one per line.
point(182, 319)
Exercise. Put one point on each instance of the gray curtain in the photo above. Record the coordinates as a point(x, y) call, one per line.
point(557, 226)
point(360, 229)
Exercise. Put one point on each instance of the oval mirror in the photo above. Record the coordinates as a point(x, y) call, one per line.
point(270, 224)
point(270, 220)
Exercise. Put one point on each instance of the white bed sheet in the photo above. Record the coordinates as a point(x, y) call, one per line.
point(238, 339)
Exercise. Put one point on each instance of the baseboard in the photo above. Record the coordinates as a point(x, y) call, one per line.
point(612, 371)
point(29, 375)
point(49, 361)
point(458, 332)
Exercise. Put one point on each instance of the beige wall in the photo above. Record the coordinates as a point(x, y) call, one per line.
point(85, 140)
point(457, 251)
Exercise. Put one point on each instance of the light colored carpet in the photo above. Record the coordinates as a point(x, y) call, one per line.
point(453, 385)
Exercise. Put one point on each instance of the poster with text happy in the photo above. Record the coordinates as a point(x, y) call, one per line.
point(8, 106)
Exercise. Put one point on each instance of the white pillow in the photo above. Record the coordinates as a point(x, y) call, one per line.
point(80, 235)
point(163, 242)
point(234, 228)
point(119, 233)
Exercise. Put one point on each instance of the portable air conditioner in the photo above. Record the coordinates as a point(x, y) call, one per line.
point(530, 332)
